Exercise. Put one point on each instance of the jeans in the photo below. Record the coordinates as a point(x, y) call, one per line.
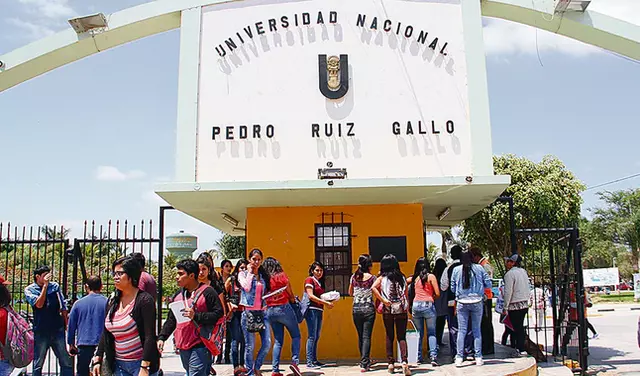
point(452, 323)
point(55, 341)
point(250, 342)
point(237, 339)
point(425, 312)
point(488, 338)
point(313, 318)
point(83, 359)
point(129, 368)
point(517, 320)
point(364, 325)
point(196, 361)
point(471, 312)
point(398, 321)
point(280, 317)
point(5, 368)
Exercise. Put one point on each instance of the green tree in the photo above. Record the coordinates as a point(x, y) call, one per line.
point(232, 247)
point(619, 220)
point(432, 251)
point(545, 194)
point(169, 274)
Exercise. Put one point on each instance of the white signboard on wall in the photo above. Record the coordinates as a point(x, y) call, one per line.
point(601, 277)
point(376, 87)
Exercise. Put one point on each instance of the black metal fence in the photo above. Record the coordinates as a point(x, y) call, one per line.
point(553, 261)
point(23, 249)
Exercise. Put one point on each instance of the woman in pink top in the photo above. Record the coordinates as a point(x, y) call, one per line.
point(424, 291)
point(255, 284)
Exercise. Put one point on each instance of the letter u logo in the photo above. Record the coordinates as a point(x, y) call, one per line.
point(334, 76)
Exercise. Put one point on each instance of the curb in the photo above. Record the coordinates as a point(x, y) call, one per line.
point(614, 309)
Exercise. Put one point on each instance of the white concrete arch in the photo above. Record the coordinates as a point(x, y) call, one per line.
point(158, 16)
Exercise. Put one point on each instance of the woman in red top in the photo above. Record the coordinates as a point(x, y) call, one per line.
point(5, 301)
point(280, 314)
point(314, 287)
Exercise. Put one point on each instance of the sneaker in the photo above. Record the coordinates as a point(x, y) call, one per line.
point(434, 362)
point(317, 363)
point(363, 370)
point(405, 369)
point(458, 362)
point(391, 368)
point(479, 361)
point(595, 336)
point(523, 354)
point(313, 366)
point(295, 369)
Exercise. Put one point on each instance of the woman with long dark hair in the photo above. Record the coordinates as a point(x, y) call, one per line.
point(390, 289)
point(5, 305)
point(280, 315)
point(468, 282)
point(364, 312)
point(314, 287)
point(233, 291)
point(426, 291)
point(128, 341)
point(225, 273)
point(441, 302)
point(255, 284)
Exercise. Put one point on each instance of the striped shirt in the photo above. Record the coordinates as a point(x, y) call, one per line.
point(127, 338)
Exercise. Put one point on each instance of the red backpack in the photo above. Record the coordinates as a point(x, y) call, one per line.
point(18, 347)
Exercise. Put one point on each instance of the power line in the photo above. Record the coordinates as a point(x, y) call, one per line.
point(613, 181)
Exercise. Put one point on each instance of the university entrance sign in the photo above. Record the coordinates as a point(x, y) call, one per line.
point(378, 88)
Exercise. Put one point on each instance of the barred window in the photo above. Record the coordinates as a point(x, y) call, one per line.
point(333, 249)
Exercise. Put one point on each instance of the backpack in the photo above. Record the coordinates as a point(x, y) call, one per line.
point(18, 349)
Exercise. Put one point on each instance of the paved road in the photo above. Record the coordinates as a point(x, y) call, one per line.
point(616, 350)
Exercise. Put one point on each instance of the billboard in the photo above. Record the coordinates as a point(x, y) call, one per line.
point(376, 87)
point(601, 277)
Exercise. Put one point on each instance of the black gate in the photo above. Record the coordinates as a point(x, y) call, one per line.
point(91, 252)
point(552, 257)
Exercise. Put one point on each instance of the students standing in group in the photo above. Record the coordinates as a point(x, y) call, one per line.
point(364, 312)
point(233, 290)
point(225, 272)
point(314, 287)
point(49, 321)
point(488, 337)
point(87, 321)
point(516, 298)
point(255, 284)
point(468, 282)
point(441, 303)
point(390, 289)
point(425, 291)
point(128, 342)
point(203, 308)
point(280, 314)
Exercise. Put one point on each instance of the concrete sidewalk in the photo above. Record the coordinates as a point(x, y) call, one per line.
point(496, 365)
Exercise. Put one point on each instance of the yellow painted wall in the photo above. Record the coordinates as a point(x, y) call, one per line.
point(286, 234)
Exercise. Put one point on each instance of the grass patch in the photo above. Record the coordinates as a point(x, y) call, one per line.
point(622, 297)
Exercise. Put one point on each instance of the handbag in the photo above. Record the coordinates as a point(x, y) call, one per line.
point(296, 309)
point(255, 321)
point(212, 336)
point(304, 305)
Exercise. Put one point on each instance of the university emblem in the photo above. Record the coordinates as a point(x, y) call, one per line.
point(334, 76)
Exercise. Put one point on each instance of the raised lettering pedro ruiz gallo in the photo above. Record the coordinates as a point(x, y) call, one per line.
point(397, 128)
point(320, 18)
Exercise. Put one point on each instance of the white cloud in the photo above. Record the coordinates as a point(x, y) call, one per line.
point(33, 30)
point(504, 37)
point(53, 9)
point(111, 173)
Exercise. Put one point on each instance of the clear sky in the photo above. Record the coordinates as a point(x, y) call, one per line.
point(89, 140)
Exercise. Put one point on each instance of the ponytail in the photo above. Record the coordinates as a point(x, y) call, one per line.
point(364, 266)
